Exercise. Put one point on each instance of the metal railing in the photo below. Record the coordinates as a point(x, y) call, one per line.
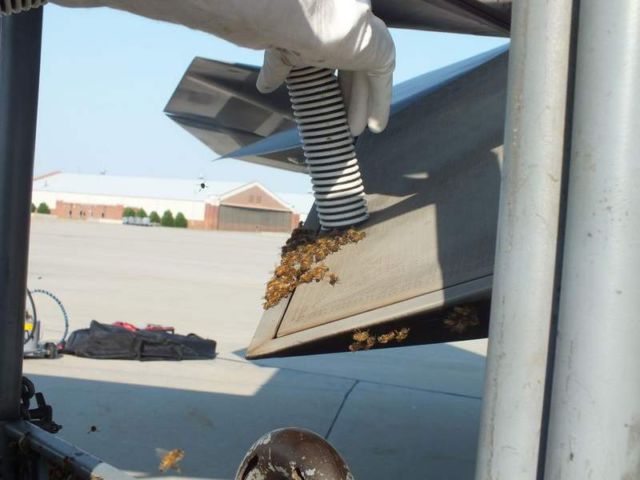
point(41, 455)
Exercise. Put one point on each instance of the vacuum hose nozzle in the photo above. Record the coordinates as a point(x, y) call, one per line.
point(8, 7)
point(319, 111)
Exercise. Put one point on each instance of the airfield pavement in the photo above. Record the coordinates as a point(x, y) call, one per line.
point(400, 413)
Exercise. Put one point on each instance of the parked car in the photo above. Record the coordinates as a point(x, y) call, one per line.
point(144, 221)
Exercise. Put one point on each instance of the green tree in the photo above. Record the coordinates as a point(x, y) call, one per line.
point(167, 219)
point(33, 208)
point(181, 221)
point(128, 212)
point(43, 208)
point(154, 217)
point(141, 213)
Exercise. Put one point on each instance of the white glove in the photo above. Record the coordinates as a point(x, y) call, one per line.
point(337, 34)
point(347, 37)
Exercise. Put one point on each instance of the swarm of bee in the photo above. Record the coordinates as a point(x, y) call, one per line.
point(461, 318)
point(301, 261)
point(171, 460)
point(363, 340)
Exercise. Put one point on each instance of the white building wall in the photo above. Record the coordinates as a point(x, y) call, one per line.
point(193, 210)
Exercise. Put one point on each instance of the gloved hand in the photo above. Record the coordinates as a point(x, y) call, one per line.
point(347, 37)
point(340, 34)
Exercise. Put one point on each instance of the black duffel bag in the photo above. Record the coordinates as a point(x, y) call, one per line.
point(113, 342)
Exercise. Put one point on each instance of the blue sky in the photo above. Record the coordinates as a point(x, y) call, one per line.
point(107, 75)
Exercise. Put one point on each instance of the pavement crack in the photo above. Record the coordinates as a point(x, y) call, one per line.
point(360, 380)
point(344, 401)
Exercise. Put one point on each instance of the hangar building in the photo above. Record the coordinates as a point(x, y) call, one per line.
point(205, 204)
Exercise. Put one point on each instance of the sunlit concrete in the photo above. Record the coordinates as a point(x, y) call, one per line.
point(407, 412)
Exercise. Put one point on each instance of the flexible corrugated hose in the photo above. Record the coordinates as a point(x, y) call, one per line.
point(9, 7)
point(319, 112)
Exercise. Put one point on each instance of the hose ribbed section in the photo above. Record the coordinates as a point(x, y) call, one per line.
point(319, 111)
point(8, 7)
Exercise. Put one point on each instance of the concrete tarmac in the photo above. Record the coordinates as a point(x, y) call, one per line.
point(400, 413)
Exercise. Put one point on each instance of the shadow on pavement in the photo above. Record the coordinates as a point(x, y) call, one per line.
point(376, 408)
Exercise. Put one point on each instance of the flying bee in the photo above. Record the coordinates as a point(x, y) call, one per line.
point(360, 335)
point(92, 429)
point(170, 460)
point(202, 184)
point(402, 334)
point(333, 278)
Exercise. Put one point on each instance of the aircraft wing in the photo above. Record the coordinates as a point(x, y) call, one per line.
point(218, 103)
point(425, 266)
point(432, 182)
point(478, 17)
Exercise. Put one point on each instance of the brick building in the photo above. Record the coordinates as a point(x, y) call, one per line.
point(206, 205)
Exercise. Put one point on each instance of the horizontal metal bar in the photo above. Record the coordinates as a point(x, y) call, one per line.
point(59, 452)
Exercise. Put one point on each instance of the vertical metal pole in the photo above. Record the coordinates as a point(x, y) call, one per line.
point(594, 427)
point(525, 266)
point(20, 40)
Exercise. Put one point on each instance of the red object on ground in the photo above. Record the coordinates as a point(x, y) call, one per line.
point(159, 328)
point(126, 326)
point(151, 327)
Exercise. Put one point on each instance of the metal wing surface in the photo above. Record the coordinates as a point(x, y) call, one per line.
point(426, 264)
point(478, 17)
point(218, 103)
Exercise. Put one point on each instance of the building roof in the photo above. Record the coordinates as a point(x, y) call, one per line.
point(145, 187)
point(155, 187)
point(299, 202)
